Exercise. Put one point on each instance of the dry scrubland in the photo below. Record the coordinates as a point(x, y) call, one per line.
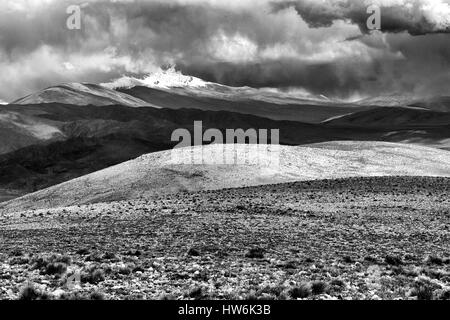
point(357, 238)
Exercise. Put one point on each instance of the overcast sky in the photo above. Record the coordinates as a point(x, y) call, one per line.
point(321, 46)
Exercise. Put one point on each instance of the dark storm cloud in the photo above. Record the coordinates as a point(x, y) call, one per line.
point(320, 46)
point(417, 17)
point(319, 79)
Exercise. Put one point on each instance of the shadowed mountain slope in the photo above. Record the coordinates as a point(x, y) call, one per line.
point(47, 144)
point(393, 117)
point(276, 109)
point(81, 94)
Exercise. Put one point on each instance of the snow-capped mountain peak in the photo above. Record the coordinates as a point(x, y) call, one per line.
point(162, 79)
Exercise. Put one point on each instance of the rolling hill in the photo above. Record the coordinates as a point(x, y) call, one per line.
point(402, 124)
point(273, 106)
point(46, 144)
point(434, 103)
point(93, 138)
point(172, 171)
point(440, 103)
point(81, 94)
point(393, 117)
point(19, 130)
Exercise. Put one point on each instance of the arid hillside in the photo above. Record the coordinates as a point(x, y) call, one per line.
point(357, 238)
point(174, 171)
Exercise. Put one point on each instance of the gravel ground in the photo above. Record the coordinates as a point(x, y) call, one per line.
point(359, 238)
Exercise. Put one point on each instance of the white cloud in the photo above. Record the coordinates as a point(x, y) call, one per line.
point(232, 48)
point(257, 44)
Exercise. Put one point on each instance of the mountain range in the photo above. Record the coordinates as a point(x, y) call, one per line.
point(70, 130)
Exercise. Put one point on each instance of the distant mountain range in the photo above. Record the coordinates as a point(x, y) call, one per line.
point(81, 94)
point(70, 130)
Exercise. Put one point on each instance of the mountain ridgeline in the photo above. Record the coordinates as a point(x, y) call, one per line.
point(72, 130)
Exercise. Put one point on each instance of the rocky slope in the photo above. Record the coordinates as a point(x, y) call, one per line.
point(357, 238)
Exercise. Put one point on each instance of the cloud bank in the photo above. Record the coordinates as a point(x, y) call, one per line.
point(316, 45)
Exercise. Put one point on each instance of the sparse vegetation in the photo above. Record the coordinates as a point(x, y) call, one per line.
point(393, 260)
point(51, 265)
point(318, 287)
point(424, 292)
point(435, 260)
point(93, 276)
point(196, 293)
point(302, 291)
point(257, 254)
point(30, 292)
point(348, 259)
point(193, 252)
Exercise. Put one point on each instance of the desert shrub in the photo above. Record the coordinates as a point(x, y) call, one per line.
point(435, 260)
point(193, 252)
point(424, 292)
point(221, 254)
point(337, 285)
point(410, 257)
point(92, 276)
point(19, 260)
point(196, 293)
point(292, 264)
point(94, 257)
point(39, 263)
point(318, 287)
point(30, 292)
point(138, 269)
point(302, 291)
point(125, 270)
point(445, 295)
point(251, 297)
point(134, 253)
point(274, 290)
point(393, 260)
point(71, 296)
point(54, 268)
point(255, 253)
point(63, 259)
point(167, 297)
point(53, 265)
point(348, 259)
point(82, 252)
point(96, 295)
point(16, 253)
point(370, 259)
point(109, 256)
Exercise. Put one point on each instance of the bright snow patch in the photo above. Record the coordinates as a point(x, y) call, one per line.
point(163, 79)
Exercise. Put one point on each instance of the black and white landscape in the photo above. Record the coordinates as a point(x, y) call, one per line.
point(98, 202)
